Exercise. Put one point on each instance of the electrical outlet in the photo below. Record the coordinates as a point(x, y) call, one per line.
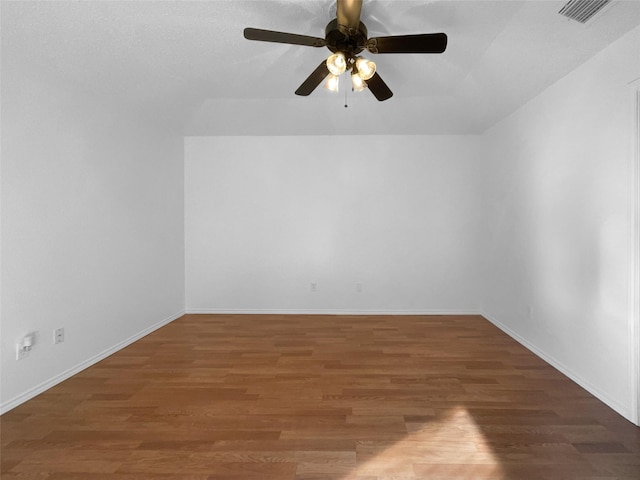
point(359, 287)
point(23, 348)
point(21, 352)
point(58, 335)
point(314, 287)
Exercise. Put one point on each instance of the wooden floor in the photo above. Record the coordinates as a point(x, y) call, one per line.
point(319, 397)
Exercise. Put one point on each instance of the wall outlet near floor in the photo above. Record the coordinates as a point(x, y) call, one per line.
point(359, 287)
point(21, 352)
point(314, 287)
point(23, 348)
point(58, 335)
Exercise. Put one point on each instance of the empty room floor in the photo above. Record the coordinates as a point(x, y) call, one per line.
point(319, 397)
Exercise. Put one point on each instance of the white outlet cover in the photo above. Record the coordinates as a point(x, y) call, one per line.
point(58, 335)
point(21, 352)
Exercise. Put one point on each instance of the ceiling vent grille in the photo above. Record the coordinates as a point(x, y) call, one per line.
point(582, 10)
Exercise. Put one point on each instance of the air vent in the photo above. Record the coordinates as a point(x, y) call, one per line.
point(582, 10)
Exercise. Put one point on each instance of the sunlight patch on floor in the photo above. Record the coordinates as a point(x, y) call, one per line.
point(449, 445)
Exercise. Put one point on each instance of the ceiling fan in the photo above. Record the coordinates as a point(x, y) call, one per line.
point(346, 37)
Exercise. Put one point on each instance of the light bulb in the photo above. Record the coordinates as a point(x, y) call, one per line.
point(357, 83)
point(366, 68)
point(337, 63)
point(332, 83)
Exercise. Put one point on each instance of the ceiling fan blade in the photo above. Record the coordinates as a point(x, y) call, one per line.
point(422, 43)
point(282, 37)
point(379, 88)
point(313, 80)
point(348, 13)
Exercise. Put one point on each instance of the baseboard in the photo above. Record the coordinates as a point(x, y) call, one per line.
point(37, 390)
point(321, 311)
point(596, 392)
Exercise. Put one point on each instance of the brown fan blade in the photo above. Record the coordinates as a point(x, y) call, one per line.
point(313, 80)
point(423, 43)
point(282, 37)
point(348, 13)
point(379, 88)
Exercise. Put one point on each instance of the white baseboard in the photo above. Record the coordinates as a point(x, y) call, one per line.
point(596, 392)
point(320, 311)
point(29, 394)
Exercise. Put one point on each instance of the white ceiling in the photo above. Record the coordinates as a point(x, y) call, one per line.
point(187, 62)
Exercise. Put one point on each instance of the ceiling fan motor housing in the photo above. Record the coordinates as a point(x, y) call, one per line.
point(348, 41)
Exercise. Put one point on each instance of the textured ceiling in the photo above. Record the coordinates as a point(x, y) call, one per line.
point(186, 62)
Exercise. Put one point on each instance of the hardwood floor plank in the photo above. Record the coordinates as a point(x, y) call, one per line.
point(211, 397)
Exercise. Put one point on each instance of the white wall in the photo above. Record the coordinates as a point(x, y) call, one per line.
point(557, 223)
point(267, 216)
point(92, 229)
point(92, 225)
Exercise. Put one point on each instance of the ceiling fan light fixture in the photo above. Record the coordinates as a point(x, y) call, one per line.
point(332, 82)
point(337, 63)
point(366, 68)
point(345, 37)
point(357, 83)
